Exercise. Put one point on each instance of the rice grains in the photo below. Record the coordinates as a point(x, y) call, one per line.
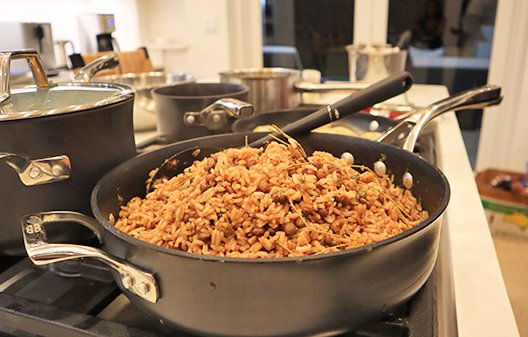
point(270, 202)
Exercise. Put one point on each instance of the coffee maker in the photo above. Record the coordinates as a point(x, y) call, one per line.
point(96, 33)
point(28, 35)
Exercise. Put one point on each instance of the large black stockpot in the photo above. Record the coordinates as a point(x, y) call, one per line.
point(321, 294)
point(56, 142)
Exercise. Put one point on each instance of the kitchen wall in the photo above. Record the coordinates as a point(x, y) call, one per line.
point(181, 35)
point(200, 37)
point(503, 137)
point(62, 14)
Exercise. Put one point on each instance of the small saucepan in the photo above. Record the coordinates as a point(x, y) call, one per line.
point(272, 89)
point(191, 110)
point(143, 83)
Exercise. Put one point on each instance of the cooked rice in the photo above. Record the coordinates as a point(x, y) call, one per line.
point(270, 203)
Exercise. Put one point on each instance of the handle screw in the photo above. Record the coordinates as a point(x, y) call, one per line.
point(216, 118)
point(35, 172)
point(128, 281)
point(142, 288)
point(190, 119)
point(57, 170)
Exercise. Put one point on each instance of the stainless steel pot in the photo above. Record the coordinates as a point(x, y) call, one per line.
point(372, 63)
point(272, 89)
point(56, 141)
point(143, 83)
point(269, 88)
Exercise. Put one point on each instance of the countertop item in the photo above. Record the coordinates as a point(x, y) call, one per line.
point(482, 305)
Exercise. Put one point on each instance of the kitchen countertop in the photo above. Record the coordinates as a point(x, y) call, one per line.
point(482, 304)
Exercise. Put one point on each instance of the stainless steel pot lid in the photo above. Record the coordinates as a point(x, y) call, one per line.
point(47, 99)
point(149, 80)
point(261, 73)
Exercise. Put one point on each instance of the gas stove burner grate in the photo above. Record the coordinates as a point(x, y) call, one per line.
point(35, 301)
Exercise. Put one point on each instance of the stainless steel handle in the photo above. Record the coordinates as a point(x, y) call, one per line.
point(215, 116)
point(409, 129)
point(35, 64)
point(41, 252)
point(38, 171)
point(105, 62)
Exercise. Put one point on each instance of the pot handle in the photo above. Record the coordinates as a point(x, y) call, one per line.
point(410, 128)
point(38, 171)
point(105, 62)
point(35, 65)
point(215, 116)
point(41, 252)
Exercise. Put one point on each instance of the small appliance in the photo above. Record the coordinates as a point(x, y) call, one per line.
point(95, 31)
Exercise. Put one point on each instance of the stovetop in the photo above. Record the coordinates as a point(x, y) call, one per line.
point(38, 301)
point(35, 301)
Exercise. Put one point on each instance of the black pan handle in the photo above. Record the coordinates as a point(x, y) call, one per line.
point(380, 91)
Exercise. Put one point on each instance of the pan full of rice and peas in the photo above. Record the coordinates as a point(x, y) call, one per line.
point(312, 234)
point(296, 235)
point(305, 236)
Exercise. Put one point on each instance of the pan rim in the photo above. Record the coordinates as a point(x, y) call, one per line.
point(434, 216)
point(241, 125)
point(241, 89)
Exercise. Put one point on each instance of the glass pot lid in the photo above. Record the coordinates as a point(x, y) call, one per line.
point(45, 99)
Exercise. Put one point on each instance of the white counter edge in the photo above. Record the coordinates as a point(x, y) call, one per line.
point(482, 303)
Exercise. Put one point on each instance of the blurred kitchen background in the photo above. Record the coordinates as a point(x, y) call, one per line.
point(449, 42)
point(456, 43)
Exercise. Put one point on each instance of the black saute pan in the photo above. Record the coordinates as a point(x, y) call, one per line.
point(298, 296)
point(258, 297)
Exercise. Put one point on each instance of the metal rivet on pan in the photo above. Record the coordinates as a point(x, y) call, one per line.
point(34, 220)
point(128, 281)
point(407, 180)
point(142, 288)
point(380, 168)
point(35, 172)
point(373, 126)
point(57, 170)
point(216, 118)
point(348, 157)
point(190, 119)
